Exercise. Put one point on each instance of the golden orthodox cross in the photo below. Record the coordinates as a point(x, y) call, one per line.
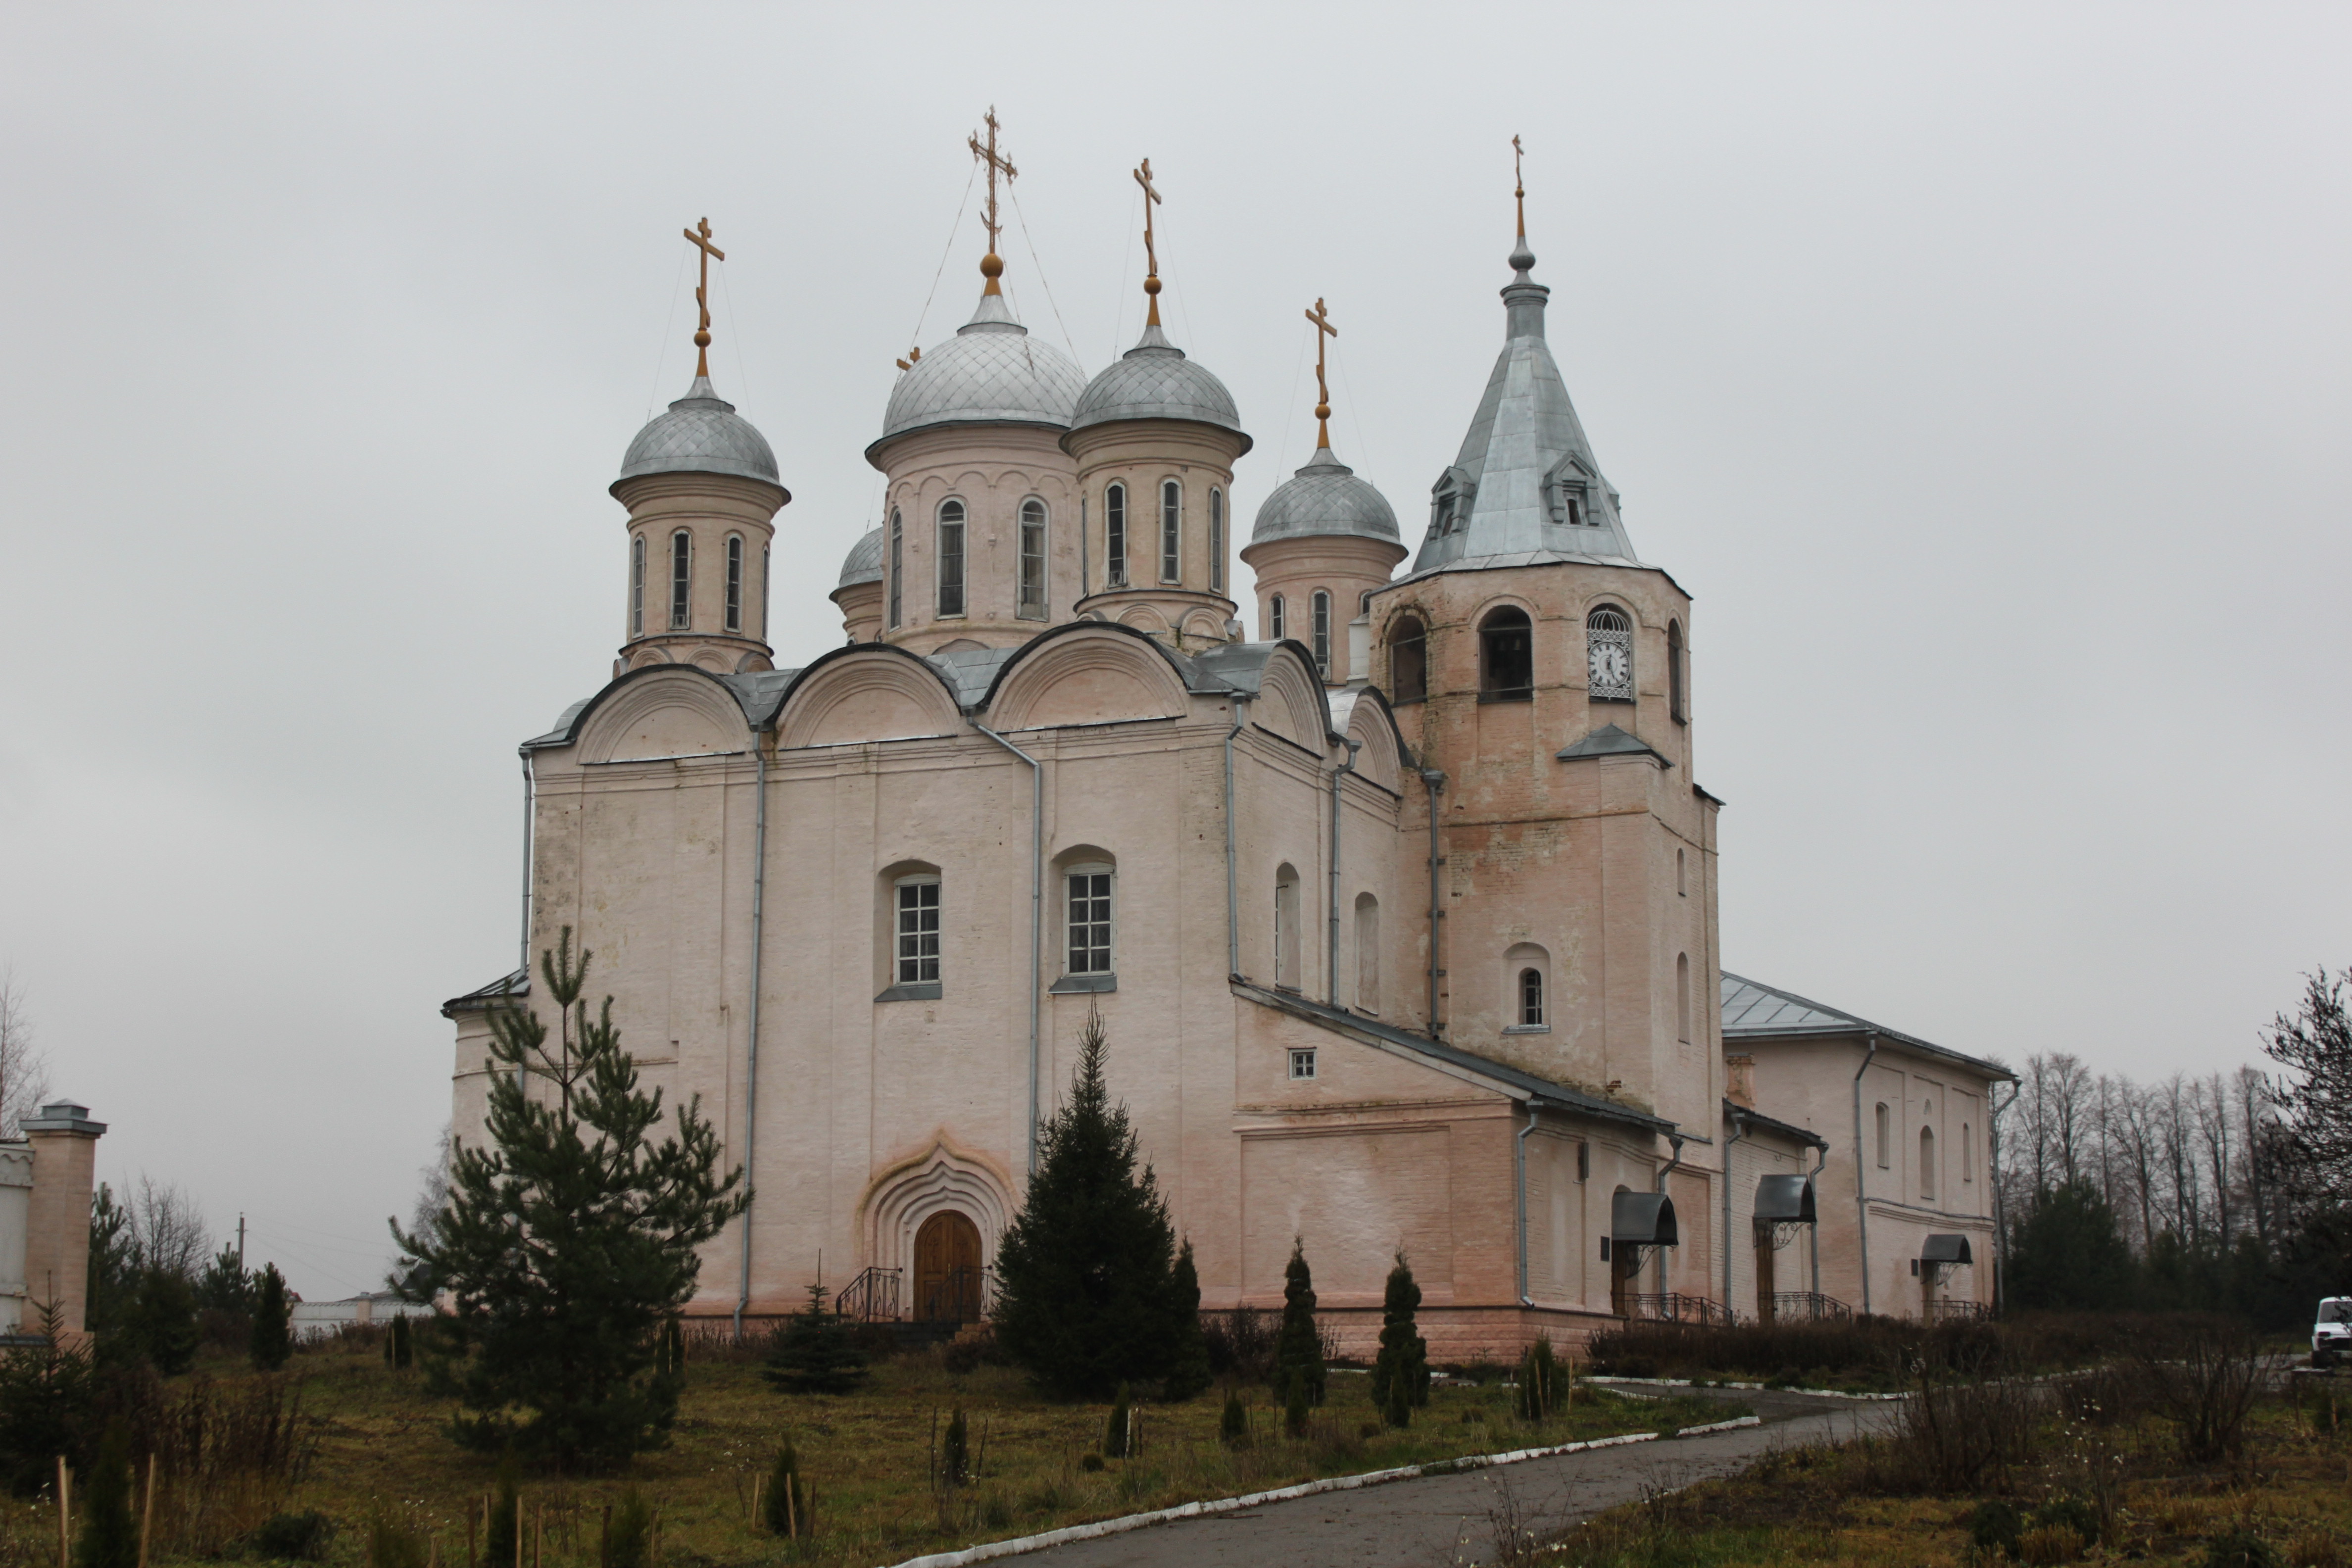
point(997, 165)
point(1520, 182)
point(1150, 254)
point(702, 297)
point(1323, 329)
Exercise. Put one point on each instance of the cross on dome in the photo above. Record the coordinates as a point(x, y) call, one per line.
point(991, 266)
point(702, 298)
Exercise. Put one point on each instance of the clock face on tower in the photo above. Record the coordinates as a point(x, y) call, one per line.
point(1607, 667)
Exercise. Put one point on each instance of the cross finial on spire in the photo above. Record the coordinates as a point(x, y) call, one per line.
point(702, 297)
point(1150, 255)
point(1323, 329)
point(1519, 184)
point(991, 266)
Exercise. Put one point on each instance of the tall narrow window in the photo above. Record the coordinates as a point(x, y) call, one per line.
point(1507, 657)
point(1885, 1136)
point(1032, 559)
point(1682, 874)
point(898, 562)
point(637, 584)
point(1286, 970)
point(1171, 534)
point(1968, 1155)
point(919, 931)
point(950, 558)
point(1408, 660)
point(1928, 1162)
point(734, 582)
point(1682, 997)
point(1216, 542)
point(1367, 953)
point(1531, 998)
point(1677, 705)
point(681, 579)
point(764, 551)
point(1321, 609)
point(1115, 537)
point(1090, 920)
point(1609, 656)
point(1275, 621)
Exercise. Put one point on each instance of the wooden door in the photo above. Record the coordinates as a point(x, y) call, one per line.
point(1624, 1266)
point(946, 1269)
point(1765, 1283)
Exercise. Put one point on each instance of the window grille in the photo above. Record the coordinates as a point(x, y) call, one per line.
point(1320, 606)
point(1609, 655)
point(919, 931)
point(898, 560)
point(1115, 537)
point(637, 584)
point(1216, 542)
point(1171, 513)
point(681, 578)
point(1089, 924)
point(950, 558)
point(1302, 1063)
point(1275, 618)
point(1032, 559)
point(734, 582)
point(1531, 998)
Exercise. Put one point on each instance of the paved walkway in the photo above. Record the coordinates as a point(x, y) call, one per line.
point(1451, 1519)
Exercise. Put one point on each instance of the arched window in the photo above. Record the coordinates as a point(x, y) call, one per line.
point(950, 557)
point(1090, 925)
point(1171, 514)
point(1216, 542)
point(898, 562)
point(1032, 559)
point(637, 584)
point(1507, 657)
point(1682, 874)
point(1928, 1162)
point(1677, 705)
point(1885, 1136)
point(681, 580)
point(1287, 971)
point(765, 549)
point(1682, 997)
point(1319, 607)
point(1367, 953)
point(1408, 660)
point(1275, 629)
point(916, 902)
point(734, 582)
point(1609, 656)
point(1531, 998)
point(1115, 537)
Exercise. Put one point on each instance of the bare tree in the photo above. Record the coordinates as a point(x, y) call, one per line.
point(24, 1070)
point(166, 1230)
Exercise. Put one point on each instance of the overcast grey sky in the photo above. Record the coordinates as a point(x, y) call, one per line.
point(1982, 371)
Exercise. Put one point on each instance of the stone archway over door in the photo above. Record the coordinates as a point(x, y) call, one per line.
point(946, 1269)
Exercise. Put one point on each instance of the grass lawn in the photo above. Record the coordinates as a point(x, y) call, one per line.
point(381, 1449)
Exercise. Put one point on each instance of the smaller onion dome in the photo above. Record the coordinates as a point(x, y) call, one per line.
point(991, 372)
point(863, 562)
point(1322, 499)
point(701, 433)
point(1153, 380)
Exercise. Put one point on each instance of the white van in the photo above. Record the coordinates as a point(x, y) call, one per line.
point(2331, 1336)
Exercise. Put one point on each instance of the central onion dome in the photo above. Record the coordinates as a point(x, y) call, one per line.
point(701, 433)
point(1322, 499)
point(991, 372)
point(1153, 380)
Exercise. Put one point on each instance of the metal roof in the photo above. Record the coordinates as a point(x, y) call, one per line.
point(507, 986)
point(1753, 1011)
point(1325, 498)
point(863, 562)
point(1608, 741)
point(991, 372)
point(701, 433)
point(1153, 380)
point(1773, 1124)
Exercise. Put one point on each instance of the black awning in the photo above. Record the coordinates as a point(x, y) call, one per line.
point(1784, 1200)
point(1945, 1248)
point(1643, 1219)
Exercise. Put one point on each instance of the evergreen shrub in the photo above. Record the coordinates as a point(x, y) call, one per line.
point(109, 1529)
point(785, 1504)
point(1297, 1346)
point(817, 1350)
point(271, 1344)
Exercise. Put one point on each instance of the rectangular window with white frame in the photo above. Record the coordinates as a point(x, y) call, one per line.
point(918, 954)
point(1302, 1063)
point(1089, 926)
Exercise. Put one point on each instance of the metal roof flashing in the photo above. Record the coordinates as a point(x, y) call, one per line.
point(1753, 1011)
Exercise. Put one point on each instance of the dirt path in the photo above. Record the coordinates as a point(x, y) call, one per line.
point(1451, 1519)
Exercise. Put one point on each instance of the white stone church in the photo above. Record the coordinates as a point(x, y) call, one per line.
point(1400, 916)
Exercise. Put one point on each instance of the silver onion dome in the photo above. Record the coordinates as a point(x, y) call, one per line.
point(1153, 380)
point(863, 562)
point(1322, 499)
point(991, 372)
point(701, 433)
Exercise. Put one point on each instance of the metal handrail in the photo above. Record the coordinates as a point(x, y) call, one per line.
point(1809, 1304)
point(1676, 1307)
point(957, 1297)
point(1957, 1312)
point(871, 1297)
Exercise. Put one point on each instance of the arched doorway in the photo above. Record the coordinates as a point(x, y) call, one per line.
point(946, 1269)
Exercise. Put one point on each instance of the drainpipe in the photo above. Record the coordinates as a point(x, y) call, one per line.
point(1861, 1198)
point(1520, 1161)
point(1992, 1177)
point(1332, 969)
point(1435, 782)
point(1036, 913)
point(1820, 1158)
point(529, 824)
point(1675, 1141)
point(752, 1050)
point(1738, 1130)
point(1233, 885)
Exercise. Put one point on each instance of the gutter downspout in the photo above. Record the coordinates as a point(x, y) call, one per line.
point(1738, 1130)
point(1520, 1161)
point(1036, 913)
point(1821, 1159)
point(529, 825)
point(1676, 1140)
point(1332, 969)
point(751, 1051)
point(1992, 1172)
point(1435, 782)
point(1233, 885)
point(1861, 1198)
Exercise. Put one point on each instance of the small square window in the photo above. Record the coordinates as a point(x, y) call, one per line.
point(1302, 1064)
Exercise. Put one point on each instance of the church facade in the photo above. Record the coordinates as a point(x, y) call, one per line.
point(1400, 917)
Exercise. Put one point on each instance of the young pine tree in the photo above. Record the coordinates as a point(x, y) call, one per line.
point(784, 1504)
point(570, 1239)
point(1298, 1346)
point(1542, 1386)
point(1115, 1429)
point(1400, 1374)
point(1233, 1423)
point(110, 1530)
point(1188, 1347)
point(817, 1352)
point(272, 1341)
point(159, 1324)
point(1086, 1272)
point(47, 1397)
